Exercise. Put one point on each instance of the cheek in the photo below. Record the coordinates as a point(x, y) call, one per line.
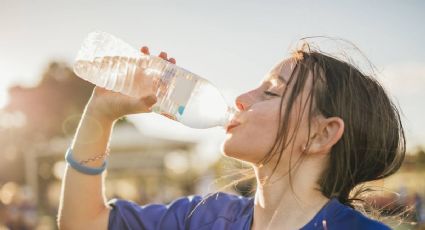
point(254, 138)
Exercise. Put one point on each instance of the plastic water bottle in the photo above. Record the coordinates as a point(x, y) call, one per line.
point(109, 62)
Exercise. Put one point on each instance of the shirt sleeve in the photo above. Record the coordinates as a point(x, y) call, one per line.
point(351, 219)
point(129, 215)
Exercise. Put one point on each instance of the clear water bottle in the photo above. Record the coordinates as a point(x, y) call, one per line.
point(109, 62)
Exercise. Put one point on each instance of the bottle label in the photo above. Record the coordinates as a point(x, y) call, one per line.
point(180, 110)
point(183, 90)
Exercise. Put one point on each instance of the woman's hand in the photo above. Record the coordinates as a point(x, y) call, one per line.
point(110, 106)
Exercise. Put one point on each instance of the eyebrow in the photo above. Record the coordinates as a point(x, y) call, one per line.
point(281, 78)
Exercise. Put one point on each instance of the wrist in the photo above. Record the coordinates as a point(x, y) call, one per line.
point(101, 116)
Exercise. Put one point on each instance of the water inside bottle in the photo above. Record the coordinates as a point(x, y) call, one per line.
point(191, 100)
point(120, 74)
point(206, 107)
point(181, 95)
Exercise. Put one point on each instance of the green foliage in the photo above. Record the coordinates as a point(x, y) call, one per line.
point(420, 157)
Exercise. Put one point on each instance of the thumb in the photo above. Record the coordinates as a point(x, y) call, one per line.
point(144, 104)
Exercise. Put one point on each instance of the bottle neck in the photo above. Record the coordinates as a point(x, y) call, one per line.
point(228, 116)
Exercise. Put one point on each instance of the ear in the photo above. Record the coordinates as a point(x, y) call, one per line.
point(329, 132)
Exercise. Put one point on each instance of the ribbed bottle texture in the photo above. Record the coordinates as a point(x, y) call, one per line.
point(110, 63)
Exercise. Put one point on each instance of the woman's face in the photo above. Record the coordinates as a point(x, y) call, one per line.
point(258, 115)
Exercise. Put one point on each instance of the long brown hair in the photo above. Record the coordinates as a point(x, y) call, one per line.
point(372, 146)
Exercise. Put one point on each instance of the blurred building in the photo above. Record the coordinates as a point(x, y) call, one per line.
point(37, 126)
point(32, 120)
point(35, 115)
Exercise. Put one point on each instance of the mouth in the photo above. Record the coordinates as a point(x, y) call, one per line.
point(232, 125)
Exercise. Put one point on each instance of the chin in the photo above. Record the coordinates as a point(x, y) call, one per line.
point(229, 150)
point(224, 149)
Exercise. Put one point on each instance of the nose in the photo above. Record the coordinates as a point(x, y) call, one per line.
point(240, 105)
point(243, 101)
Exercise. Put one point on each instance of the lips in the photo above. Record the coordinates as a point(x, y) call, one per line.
point(232, 125)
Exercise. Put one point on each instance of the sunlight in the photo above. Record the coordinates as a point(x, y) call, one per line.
point(4, 98)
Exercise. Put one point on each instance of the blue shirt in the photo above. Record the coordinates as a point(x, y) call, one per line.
point(223, 211)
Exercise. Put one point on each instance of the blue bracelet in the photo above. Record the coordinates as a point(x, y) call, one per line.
point(81, 168)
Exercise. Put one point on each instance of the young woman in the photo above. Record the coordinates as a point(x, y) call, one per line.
point(313, 129)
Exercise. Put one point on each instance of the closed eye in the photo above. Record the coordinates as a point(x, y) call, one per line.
point(271, 94)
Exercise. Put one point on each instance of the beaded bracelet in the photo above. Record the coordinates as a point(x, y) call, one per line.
point(80, 166)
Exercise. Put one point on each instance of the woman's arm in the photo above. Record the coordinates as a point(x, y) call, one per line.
point(83, 201)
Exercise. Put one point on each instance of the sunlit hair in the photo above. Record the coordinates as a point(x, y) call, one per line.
point(372, 146)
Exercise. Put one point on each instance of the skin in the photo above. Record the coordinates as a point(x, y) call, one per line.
point(277, 206)
point(83, 201)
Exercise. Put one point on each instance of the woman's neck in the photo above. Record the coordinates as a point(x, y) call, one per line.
point(281, 203)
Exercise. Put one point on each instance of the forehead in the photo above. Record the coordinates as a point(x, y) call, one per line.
point(282, 70)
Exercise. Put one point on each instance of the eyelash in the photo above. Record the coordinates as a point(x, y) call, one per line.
point(271, 94)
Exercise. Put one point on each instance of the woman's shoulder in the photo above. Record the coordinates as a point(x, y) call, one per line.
point(215, 201)
point(223, 204)
point(196, 210)
point(221, 211)
point(340, 216)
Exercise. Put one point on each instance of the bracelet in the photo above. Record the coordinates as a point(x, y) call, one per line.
point(80, 167)
point(95, 158)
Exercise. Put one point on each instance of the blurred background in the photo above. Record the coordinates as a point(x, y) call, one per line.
point(232, 44)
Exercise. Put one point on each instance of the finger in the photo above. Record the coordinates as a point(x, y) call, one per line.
point(145, 104)
point(172, 60)
point(163, 55)
point(145, 50)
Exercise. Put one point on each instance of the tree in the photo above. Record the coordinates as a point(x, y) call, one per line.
point(49, 110)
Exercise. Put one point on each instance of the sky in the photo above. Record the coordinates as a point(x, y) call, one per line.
point(233, 44)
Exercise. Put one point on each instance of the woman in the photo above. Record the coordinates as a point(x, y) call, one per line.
point(312, 130)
